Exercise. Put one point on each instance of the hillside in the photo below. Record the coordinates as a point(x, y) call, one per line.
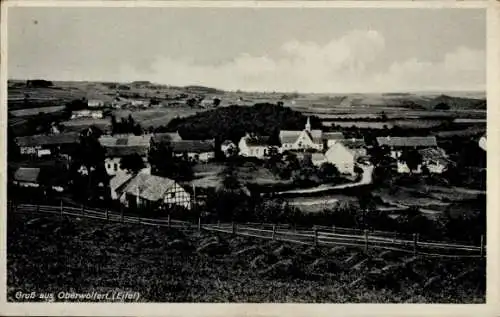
point(171, 266)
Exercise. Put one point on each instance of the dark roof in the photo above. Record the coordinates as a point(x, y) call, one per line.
point(227, 142)
point(53, 139)
point(121, 151)
point(166, 137)
point(258, 141)
point(333, 136)
point(416, 141)
point(150, 187)
point(353, 143)
point(27, 174)
point(193, 146)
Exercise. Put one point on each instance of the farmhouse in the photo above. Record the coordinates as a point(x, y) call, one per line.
point(434, 159)
point(27, 177)
point(195, 150)
point(344, 154)
point(254, 146)
point(32, 177)
point(145, 190)
point(44, 145)
point(330, 138)
point(94, 103)
point(114, 155)
point(93, 114)
point(398, 144)
point(301, 140)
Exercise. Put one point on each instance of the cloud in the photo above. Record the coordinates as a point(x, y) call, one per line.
point(345, 64)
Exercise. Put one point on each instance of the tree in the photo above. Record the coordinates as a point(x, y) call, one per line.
point(216, 102)
point(328, 172)
point(412, 158)
point(442, 106)
point(191, 102)
point(132, 163)
point(90, 181)
point(164, 163)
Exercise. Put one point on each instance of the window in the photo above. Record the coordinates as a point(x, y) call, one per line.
point(172, 195)
point(116, 167)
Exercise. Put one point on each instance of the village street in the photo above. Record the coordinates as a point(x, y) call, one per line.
point(365, 180)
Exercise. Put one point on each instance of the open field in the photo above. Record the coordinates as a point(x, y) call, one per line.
point(156, 117)
point(171, 266)
point(78, 125)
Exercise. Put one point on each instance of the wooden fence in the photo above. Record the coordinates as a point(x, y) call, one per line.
point(321, 236)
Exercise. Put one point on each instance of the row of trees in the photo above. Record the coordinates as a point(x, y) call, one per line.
point(125, 125)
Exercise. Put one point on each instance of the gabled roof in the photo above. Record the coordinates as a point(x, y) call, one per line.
point(125, 140)
point(27, 174)
point(119, 180)
point(333, 136)
point(121, 151)
point(288, 136)
point(53, 139)
point(429, 141)
point(149, 187)
point(193, 146)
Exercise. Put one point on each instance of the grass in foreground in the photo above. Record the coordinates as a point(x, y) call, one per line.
point(52, 254)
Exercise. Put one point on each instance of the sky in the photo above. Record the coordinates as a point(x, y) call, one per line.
point(322, 50)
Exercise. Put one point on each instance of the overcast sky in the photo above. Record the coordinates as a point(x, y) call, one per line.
point(306, 50)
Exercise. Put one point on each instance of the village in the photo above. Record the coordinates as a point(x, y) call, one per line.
point(133, 183)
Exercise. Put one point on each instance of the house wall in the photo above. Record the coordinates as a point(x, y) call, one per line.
point(112, 165)
point(254, 151)
point(303, 142)
point(342, 158)
point(178, 196)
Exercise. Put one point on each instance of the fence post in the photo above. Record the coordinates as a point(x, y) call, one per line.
point(218, 223)
point(168, 220)
point(274, 232)
point(83, 209)
point(482, 245)
point(415, 243)
point(333, 229)
point(366, 240)
point(199, 223)
point(233, 228)
point(37, 208)
point(107, 215)
point(315, 236)
point(62, 208)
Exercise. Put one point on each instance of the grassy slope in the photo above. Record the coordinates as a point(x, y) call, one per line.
point(53, 254)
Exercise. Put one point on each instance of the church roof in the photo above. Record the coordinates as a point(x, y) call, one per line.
point(288, 136)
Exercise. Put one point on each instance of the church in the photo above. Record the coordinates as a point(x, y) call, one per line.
point(301, 140)
point(308, 139)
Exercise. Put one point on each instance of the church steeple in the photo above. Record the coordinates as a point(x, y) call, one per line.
point(308, 125)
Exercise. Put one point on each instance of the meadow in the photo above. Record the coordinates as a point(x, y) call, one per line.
point(166, 265)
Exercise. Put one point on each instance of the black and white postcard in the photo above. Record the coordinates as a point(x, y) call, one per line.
point(251, 153)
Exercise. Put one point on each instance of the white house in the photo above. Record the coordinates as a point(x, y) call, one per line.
point(344, 154)
point(330, 138)
point(254, 146)
point(196, 150)
point(86, 113)
point(301, 140)
point(114, 155)
point(145, 190)
point(94, 103)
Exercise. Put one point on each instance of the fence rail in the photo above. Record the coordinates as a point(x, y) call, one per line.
point(325, 236)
